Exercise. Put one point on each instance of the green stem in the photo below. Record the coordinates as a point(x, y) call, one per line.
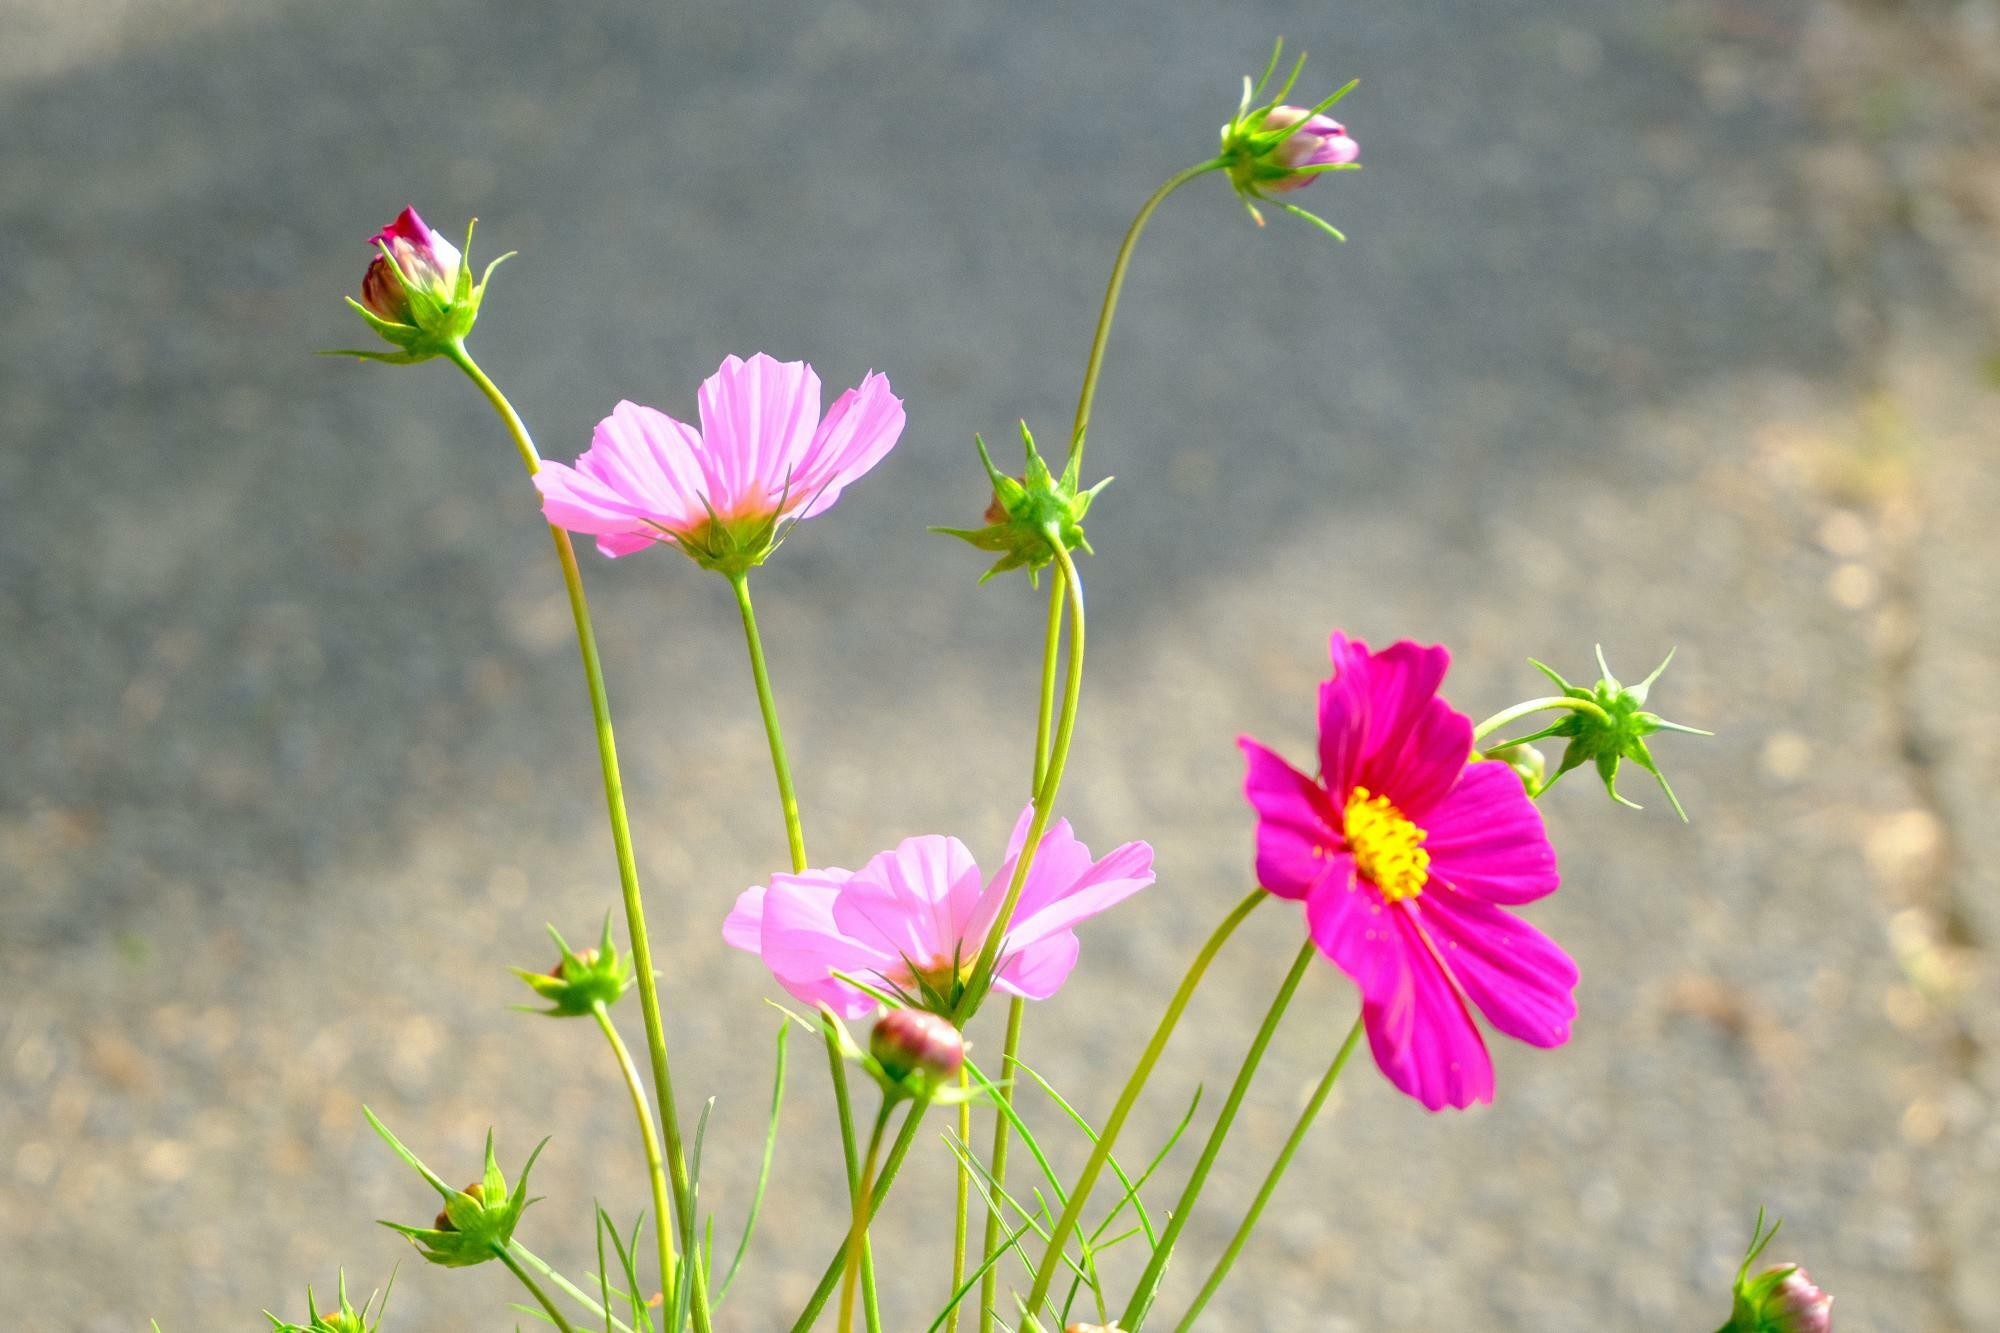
point(857, 1236)
point(534, 1289)
point(962, 1209)
point(1519, 711)
point(891, 1164)
point(1149, 1281)
point(1088, 397)
point(850, 1150)
point(989, 1284)
point(788, 796)
point(621, 842)
point(1107, 1139)
point(1045, 796)
point(1285, 1155)
point(656, 1170)
point(1046, 712)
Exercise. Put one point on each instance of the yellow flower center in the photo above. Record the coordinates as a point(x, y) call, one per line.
point(1387, 848)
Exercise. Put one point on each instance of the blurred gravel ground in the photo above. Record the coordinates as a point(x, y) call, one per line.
point(1661, 325)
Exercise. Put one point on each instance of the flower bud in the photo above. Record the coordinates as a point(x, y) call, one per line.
point(418, 292)
point(912, 1044)
point(1030, 513)
point(1612, 729)
point(1795, 1305)
point(477, 1222)
point(1272, 148)
point(1317, 142)
point(1526, 761)
point(581, 981)
point(475, 1191)
point(343, 1318)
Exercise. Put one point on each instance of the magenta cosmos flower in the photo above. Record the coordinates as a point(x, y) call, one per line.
point(916, 918)
point(1321, 141)
point(763, 454)
point(428, 260)
point(1404, 854)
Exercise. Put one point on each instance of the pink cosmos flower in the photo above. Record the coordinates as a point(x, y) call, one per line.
point(1321, 141)
point(763, 453)
point(1404, 854)
point(427, 259)
point(920, 914)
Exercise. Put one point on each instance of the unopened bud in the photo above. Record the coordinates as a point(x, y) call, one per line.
point(909, 1042)
point(1795, 1305)
point(444, 1223)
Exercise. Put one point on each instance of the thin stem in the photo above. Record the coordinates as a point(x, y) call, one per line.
point(989, 1285)
point(962, 1209)
point(1045, 796)
point(857, 1236)
point(1149, 1281)
point(534, 1289)
point(1107, 1139)
point(656, 1170)
point(1306, 1118)
point(1519, 711)
point(1046, 712)
point(1088, 397)
point(891, 1164)
point(849, 1149)
point(788, 796)
point(621, 842)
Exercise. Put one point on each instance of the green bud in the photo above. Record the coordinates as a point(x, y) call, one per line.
point(1031, 514)
point(580, 982)
point(1614, 732)
point(343, 1318)
point(1778, 1299)
point(478, 1221)
point(1527, 761)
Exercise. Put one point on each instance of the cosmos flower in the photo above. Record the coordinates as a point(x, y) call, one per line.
point(1404, 855)
point(763, 454)
point(913, 919)
point(426, 259)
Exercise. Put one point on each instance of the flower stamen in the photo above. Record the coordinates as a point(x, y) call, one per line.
point(1387, 848)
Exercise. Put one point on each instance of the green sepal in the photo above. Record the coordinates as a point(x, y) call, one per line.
point(342, 1318)
point(580, 983)
point(1618, 735)
point(1249, 146)
point(479, 1221)
point(917, 1085)
point(439, 321)
point(1030, 514)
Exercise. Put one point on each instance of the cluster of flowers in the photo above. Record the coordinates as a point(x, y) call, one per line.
point(1406, 844)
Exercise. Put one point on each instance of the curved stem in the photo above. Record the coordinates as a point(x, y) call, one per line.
point(857, 1236)
point(1519, 711)
point(1107, 1138)
point(1149, 1281)
point(534, 1289)
point(656, 1170)
point(962, 1204)
point(1088, 397)
point(1046, 710)
point(1306, 1117)
point(621, 842)
point(788, 796)
point(989, 1284)
point(891, 1164)
point(1045, 796)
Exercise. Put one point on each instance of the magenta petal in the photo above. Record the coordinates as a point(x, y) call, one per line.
point(1295, 822)
point(1416, 744)
point(1038, 971)
point(1353, 927)
point(1486, 838)
point(1520, 978)
point(1423, 1036)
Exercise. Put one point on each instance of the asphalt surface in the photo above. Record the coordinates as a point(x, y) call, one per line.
point(1659, 327)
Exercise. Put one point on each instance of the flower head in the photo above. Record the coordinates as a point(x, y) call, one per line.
point(912, 921)
point(418, 292)
point(1403, 854)
point(763, 455)
point(1031, 513)
point(1778, 1299)
point(580, 982)
point(1612, 732)
point(477, 1222)
point(1271, 147)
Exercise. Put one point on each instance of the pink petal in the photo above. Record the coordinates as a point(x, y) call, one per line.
point(1486, 838)
point(1295, 822)
point(757, 422)
point(860, 428)
point(1423, 1036)
point(1038, 971)
point(581, 503)
point(1102, 886)
point(652, 462)
point(743, 928)
point(1520, 978)
point(905, 901)
point(1415, 744)
point(1351, 925)
point(803, 945)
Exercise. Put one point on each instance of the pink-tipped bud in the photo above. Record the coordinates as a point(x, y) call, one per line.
point(426, 259)
point(1320, 141)
point(1795, 1305)
point(912, 1041)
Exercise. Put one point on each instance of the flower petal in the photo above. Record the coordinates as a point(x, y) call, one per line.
point(1413, 743)
point(1352, 926)
point(1038, 971)
point(1422, 1033)
point(1295, 822)
point(860, 428)
point(1520, 978)
point(757, 423)
point(904, 900)
point(1487, 841)
point(804, 945)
